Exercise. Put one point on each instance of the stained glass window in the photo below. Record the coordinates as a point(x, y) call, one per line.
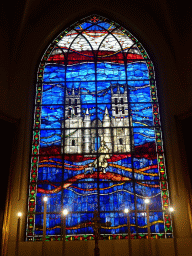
point(97, 139)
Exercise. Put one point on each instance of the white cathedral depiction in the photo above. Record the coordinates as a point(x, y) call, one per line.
point(112, 135)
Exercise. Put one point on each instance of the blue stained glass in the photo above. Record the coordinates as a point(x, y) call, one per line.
point(110, 71)
point(81, 72)
point(75, 220)
point(143, 135)
point(76, 201)
point(139, 91)
point(96, 134)
point(142, 114)
point(54, 73)
point(50, 138)
point(39, 224)
point(146, 168)
point(99, 27)
point(51, 116)
point(50, 171)
point(157, 219)
point(53, 224)
point(137, 71)
point(84, 25)
point(53, 94)
point(142, 222)
point(155, 198)
point(116, 196)
point(54, 201)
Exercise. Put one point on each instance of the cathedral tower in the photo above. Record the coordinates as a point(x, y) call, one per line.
point(73, 121)
point(120, 121)
point(107, 130)
point(87, 132)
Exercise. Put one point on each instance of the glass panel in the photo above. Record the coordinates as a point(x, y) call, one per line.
point(110, 71)
point(54, 74)
point(50, 138)
point(149, 190)
point(139, 89)
point(81, 44)
point(79, 167)
point(120, 164)
point(137, 71)
point(79, 223)
point(116, 196)
point(58, 55)
point(144, 137)
point(118, 223)
point(142, 114)
point(80, 196)
point(53, 93)
point(110, 46)
point(80, 72)
point(146, 167)
point(66, 41)
point(52, 116)
point(53, 224)
point(81, 141)
point(53, 192)
point(123, 39)
point(50, 168)
point(155, 219)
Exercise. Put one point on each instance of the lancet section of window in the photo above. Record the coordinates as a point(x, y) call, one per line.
point(97, 139)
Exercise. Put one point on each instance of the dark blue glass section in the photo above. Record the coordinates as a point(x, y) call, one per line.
point(54, 73)
point(53, 224)
point(139, 90)
point(142, 222)
point(84, 25)
point(52, 117)
point(50, 138)
point(157, 222)
point(54, 197)
point(50, 169)
point(142, 114)
point(53, 93)
point(81, 72)
point(39, 224)
point(153, 194)
point(116, 196)
point(146, 168)
point(143, 135)
point(137, 71)
point(100, 26)
point(118, 223)
point(81, 197)
point(75, 223)
point(122, 167)
point(110, 71)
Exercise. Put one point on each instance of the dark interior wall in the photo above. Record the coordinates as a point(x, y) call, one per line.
point(186, 125)
point(8, 130)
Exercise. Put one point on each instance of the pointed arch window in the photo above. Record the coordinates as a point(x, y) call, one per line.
point(87, 155)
